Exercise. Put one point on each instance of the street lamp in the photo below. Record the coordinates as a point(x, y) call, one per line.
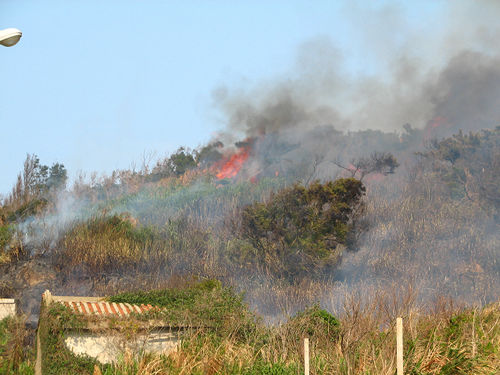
point(10, 36)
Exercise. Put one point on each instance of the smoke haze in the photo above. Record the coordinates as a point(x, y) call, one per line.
point(323, 112)
point(438, 80)
point(448, 70)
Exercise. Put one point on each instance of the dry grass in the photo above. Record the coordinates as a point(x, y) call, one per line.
point(15, 355)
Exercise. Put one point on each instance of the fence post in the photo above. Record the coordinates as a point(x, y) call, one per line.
point(306, 356)
point(399, 345)
point(474, 334)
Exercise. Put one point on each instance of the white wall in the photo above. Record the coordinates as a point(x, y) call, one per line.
point(107, 347)
point(7, 307)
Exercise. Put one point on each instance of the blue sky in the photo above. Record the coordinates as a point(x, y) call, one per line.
point(96, 84)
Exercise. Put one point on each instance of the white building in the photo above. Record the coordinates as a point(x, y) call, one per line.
point(7, 307)
point(113, 328)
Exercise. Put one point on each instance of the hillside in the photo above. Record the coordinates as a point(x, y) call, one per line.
point(386, 214)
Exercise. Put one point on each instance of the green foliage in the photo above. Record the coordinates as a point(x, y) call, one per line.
point(35, 175)
point(57, 178)
point(457, 324)
point(459, 363)
point(57, 359)
point(326, 317)
point(316, 323)
point(469, 165)
point(204, 303)
point(209, 154)
point(378, 162)
point(262, 368)
point(437, 344)
point(121, 227)
point(181, 161)
point(28, 209)
point(39, 178)
point(5, 242)
point(175, 165)
point(301, 228)
point(171, 298)
point(5, 236)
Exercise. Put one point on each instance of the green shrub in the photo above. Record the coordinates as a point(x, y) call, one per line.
point(57, 359)
point(202, 304)
point(30, 208)
point(262, 368)
point(316, 323)
point(5, 238)
point(302, 228)
point(5, 235)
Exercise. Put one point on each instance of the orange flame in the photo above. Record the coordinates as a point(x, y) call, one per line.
point(438, 121)
point(436, 125)
point(232, 165)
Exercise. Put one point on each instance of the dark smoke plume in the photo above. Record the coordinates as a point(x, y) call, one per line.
point(322, 114)
point(417, 84)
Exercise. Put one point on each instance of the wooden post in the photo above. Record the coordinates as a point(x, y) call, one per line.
point(399, 345)
point(474, 334)
point(306, 356)
point(47, 297)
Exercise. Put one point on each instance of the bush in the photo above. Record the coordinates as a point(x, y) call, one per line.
point(302, 228)
point(106, 244)
point(11, 248)
point(469, 165)
point(317, 324)
point(201, 304)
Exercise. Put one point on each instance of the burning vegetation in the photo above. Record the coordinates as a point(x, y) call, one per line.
point(326, 215)
point(232, 164)
point(348, 213)
point(306, 224)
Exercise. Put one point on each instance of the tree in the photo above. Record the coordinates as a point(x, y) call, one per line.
point(177, 164)
point(57, 177)
point(34, 177)
point(378, 162)
point(209, 154)
point(181, 161)
point(469, 165)
point(35, 181)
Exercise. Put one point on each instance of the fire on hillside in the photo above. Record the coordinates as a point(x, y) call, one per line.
point(231, 164)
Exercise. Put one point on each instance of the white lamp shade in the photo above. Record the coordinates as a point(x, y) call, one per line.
point(9, 37)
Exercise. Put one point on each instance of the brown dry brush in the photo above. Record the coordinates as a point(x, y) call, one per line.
point(414, 230)
point(421, 236)
point(16, 355)
point(446, 246)
point(419, 231)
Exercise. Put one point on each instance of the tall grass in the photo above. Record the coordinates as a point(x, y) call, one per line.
point(16, 357)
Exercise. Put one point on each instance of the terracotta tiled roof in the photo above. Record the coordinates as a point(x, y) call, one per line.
point(96, 305)
point(105, 308)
